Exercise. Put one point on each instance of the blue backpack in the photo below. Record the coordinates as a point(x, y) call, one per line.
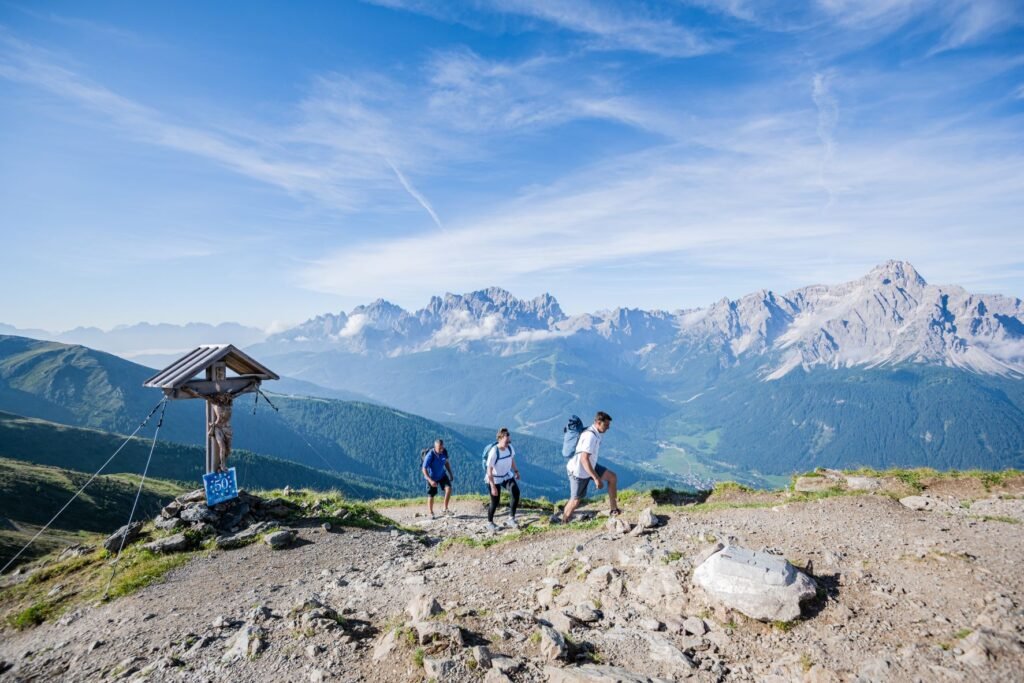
point(571, 434)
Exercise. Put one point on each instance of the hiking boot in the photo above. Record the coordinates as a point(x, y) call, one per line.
point(512, 521)
point(491, 526)
point(555, 518)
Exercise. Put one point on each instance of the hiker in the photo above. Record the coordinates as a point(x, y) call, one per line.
point(502, 472)
point(438, 473)
point(583, 468)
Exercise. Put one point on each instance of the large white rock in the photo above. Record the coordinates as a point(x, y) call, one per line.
point(761, 586)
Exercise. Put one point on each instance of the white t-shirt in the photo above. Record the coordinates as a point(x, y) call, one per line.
point(590, 442)
point(501, 462)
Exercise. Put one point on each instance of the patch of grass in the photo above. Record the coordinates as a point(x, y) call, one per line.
point(673, 556)
point(962, 633)
point(35, 614)
point(733, 486)
point(535, 638)
point(417, 657)
point(805, 662)
point(784, 626)
point(142, 569)
point(630, 495)
point(83, 580)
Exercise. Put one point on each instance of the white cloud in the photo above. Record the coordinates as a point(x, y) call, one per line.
point(828, 119)
point(354, 325)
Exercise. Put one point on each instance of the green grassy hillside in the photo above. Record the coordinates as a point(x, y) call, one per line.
point(31, 494)
point(84, 450)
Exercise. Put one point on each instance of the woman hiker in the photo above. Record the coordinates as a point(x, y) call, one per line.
point(502, 472)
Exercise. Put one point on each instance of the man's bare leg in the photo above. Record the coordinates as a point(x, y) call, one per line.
point(430, 505)
point(447, 497)
point(613, 487)
point(570, 508)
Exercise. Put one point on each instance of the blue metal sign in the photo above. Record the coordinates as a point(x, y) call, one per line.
point(220, 486)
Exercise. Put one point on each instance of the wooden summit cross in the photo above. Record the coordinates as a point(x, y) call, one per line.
point(180, 380)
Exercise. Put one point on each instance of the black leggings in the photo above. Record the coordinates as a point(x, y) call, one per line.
point(512, 486)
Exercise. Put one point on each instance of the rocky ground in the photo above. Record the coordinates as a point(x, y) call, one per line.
point(929, 592)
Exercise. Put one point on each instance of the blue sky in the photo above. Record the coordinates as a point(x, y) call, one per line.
point(265, 162)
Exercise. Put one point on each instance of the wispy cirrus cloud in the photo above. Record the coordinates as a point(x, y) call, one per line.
point(602, 25)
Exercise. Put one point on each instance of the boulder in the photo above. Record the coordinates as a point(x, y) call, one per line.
point(198, 512)
point(281, 539)
point(482, 657)
point(168, 523)
point(385, 645)
point(585, 614)
point(761, 586)
point(854, 483)
point(192, 496)
point(982, 647)
point(557, 619)
point(422, 607)
point(927, 503)
point(660, 587)
point(648, 519)
point(172, 544)
point(552, 644)
point(242, 538)
point(129, 532)
point(594, 673)
point(661, 649)
point(428, 632)
point(171, 510)
point(438, 669)
point(247, 643)
point(618, 525)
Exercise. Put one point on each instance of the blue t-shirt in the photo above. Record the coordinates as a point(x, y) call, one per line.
point(434, 462)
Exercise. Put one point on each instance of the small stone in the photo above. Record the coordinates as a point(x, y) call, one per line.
point(326, 526)
point(281, 539)
point(695, 626)
point(651, 625)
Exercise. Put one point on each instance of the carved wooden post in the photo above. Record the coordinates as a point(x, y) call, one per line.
point(215, 372)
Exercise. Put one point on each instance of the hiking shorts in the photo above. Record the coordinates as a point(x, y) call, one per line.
point(444, 483)
point(578, 487)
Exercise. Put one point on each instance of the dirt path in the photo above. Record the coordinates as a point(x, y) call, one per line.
point(903, 592)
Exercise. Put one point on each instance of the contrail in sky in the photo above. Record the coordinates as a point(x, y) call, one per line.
point(415, 194)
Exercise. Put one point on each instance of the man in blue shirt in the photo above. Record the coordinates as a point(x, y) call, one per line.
point(438, 473)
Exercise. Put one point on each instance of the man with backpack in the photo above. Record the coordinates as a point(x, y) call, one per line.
point(582, 467)
point(438, 473)
point(501, 472)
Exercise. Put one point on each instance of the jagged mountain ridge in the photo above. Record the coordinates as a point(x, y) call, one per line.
point(889, 316)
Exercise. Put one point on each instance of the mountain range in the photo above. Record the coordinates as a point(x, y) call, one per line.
point(885, 369)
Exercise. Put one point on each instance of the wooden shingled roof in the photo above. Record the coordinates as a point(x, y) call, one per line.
point(196, 361)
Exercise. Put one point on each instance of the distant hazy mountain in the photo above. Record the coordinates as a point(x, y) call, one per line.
point(863, 372)
point(147, 343)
